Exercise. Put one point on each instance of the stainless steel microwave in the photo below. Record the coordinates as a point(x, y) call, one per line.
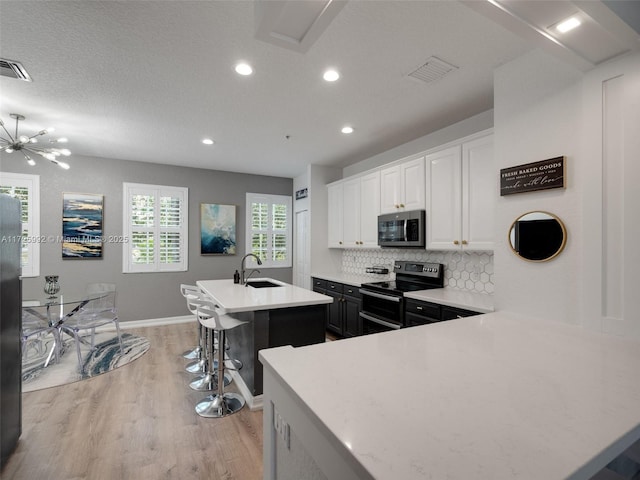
point(402, 229)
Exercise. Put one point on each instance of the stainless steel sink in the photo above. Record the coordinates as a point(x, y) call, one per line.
point(262, 284)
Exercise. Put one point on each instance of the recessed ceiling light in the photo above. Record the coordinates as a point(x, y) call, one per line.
point(568, 24)
point(244, 69)
point(347, 129)
point(208, 141)
point(331, 75)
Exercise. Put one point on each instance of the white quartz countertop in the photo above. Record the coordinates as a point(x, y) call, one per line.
point(234, 297)
point(477, 302)
point(492, 397)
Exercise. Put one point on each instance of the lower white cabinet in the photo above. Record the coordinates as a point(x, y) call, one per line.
point(461, 190)
point(354, 206)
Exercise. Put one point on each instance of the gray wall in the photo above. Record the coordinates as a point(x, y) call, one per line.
point(140, 295)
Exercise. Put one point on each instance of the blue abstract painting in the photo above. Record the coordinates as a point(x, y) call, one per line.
point(82, 225)
point(217, 229)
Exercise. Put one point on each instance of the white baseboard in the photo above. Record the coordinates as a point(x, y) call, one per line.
point(254, 403)
point(152, 322)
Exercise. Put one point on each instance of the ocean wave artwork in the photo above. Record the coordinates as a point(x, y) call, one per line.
point(217, 229)
point(82, 219)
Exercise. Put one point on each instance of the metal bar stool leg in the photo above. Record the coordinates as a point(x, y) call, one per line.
point(220, 404)
point(194, 353)
point(200, 365)
point(208, 381)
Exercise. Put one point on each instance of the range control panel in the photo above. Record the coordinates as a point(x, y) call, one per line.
point(422, 269)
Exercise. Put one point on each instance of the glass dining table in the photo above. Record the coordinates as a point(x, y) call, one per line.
point(54, 310)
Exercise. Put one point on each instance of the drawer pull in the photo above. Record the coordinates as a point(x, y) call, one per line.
point(418, 308)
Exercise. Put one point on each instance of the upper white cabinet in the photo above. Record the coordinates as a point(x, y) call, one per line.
point(354, 206)
point(461, 191)
point(403, 187)
point(335, 214)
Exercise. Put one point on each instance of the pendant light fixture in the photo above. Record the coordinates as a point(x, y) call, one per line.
point(29, 144)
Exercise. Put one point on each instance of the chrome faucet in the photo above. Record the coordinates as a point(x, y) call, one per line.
point(243, 280)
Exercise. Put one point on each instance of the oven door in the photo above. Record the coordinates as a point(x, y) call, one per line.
point(381, 312)
point(371, 324)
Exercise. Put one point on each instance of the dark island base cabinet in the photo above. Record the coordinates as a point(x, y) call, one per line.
point(343, 315)
point(296, 326)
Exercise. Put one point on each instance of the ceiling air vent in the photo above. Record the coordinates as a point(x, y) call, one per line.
point(13, 69)
point(432, 70)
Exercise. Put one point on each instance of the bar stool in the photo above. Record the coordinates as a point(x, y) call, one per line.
point(192, 291)
point(193, 296)
point(208, 379)
point(222, 403)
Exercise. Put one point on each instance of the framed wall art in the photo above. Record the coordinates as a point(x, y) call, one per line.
point(82, 222)
point(217, 229)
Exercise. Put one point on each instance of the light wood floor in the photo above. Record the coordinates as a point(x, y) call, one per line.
point(137, 422)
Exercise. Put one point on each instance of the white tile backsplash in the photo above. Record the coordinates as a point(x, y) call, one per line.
point(469, 271)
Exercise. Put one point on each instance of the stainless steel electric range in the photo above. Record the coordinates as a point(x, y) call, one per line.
point(383, 302)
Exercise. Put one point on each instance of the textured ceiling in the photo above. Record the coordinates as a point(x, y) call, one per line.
point(147, 80)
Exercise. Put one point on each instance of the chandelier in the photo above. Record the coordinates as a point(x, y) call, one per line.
point(29, 144)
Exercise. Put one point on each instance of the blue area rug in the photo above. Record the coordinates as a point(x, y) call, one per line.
point(104, 358)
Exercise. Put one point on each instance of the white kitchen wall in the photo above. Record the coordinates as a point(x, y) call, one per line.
point(470, 271)
point(537, 115)
point(543, 109)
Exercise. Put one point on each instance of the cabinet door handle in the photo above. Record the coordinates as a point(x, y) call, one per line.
point(402, 205)
point(456, 242)
point(418, 308)
point(397, 206)
point(464, 242)
point(340, 242)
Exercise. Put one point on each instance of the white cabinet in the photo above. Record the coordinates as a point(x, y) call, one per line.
point(354, 206)
point(461, 191)
point(335, 214)
point(403, 187)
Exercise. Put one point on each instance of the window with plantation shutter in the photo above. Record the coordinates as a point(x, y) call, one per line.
point(27, 189)
point(156, 226)
point(269, 229)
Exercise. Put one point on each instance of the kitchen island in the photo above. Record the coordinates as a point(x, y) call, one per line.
point(280, 315)
point(494, 396)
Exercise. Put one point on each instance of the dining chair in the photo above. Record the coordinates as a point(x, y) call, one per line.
point(34, 329)
point(98, 310)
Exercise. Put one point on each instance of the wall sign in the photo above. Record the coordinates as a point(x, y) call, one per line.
point(531, 177)
point(300, 194)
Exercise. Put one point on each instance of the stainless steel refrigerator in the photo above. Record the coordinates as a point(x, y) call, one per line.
point(10, 323)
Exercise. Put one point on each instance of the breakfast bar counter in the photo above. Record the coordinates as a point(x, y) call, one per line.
point(494, 396)
point(278, 315)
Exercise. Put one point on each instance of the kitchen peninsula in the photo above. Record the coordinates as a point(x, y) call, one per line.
point(494, 396)
point(277, 315)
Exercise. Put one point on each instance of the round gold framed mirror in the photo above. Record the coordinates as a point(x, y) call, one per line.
point(537, 236)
